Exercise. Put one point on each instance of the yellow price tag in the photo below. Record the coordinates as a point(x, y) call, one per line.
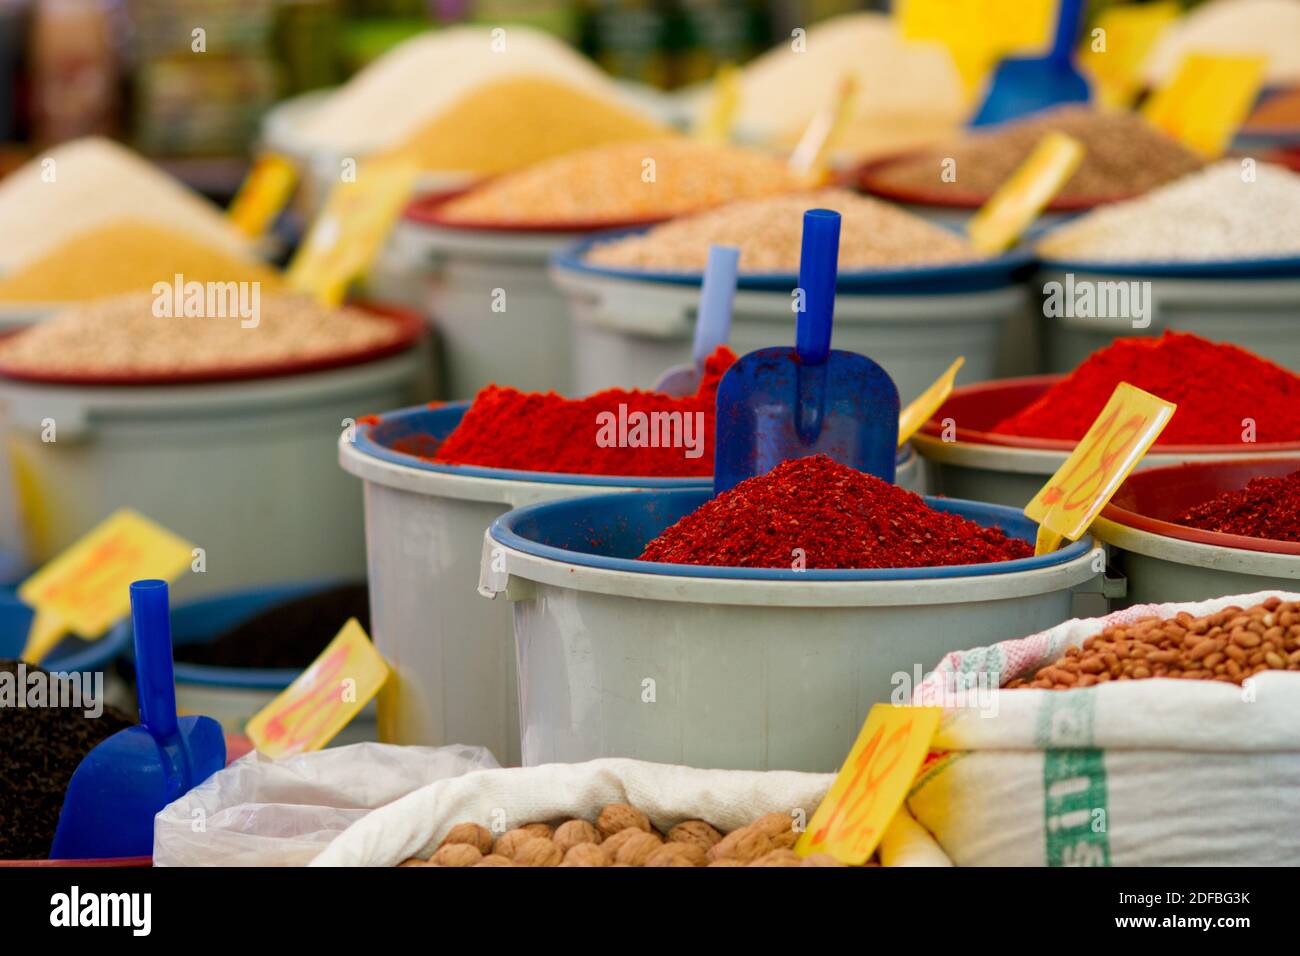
point(1019, 200)
point(265, 191)
point(919, 410)
point(978, 33)
point(348, 232)
point(871, 784)
point(324, 698)
point(716, 122)
point(1207, 99)
point(85, 590)
point(808, 160)
point(1120, 40)
point(1129, 424)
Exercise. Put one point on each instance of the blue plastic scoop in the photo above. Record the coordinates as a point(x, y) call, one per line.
point(121, 785)
point(1023, 85)
point(712, 324)
point(781, 403)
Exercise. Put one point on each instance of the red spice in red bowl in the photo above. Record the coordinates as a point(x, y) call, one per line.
point(1225, 394)
point(836, 517)
point(535, 431)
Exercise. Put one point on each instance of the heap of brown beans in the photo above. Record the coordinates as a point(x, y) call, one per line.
point(1229, 645)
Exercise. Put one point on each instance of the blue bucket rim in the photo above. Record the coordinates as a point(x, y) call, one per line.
point(990, 272)
point(502, 531)
point(92, 656)
point(1274, 267)
point(366, 444)
point(239, 678)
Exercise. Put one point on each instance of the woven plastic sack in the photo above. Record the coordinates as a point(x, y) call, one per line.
point(503, 799)
point(263, 812)
point(1132, 773)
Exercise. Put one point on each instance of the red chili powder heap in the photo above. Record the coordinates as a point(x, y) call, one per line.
point(838, 516)
point(532, 431)
point(1217, 387)
point(1265, 508)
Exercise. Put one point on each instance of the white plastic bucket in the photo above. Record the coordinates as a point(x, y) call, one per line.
point(735, 668)
point(967, 461)
point(452, 652)
point(1255, 312)
point(628, 327)
point(243, 469)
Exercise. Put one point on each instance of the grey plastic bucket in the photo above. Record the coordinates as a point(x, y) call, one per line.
point(1255, 312)
point(736, 668)
point(241, 468)
point(452, 652)
point(967, 461)
point(629, 326)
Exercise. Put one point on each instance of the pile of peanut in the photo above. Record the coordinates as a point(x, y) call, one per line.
point(622, 836)
point(1229, 646)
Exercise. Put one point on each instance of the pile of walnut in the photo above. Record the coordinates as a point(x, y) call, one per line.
point(622, 836)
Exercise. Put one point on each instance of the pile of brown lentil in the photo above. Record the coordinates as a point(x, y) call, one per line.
point(622, 836)
point(1229, 646)
point(1124, 156)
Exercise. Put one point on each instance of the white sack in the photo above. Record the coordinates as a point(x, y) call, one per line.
point(1137, 773)
point(263, 812)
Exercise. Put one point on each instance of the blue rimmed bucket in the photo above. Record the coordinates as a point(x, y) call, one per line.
point(232, 695)
point(737, 668)
point(628, 325)
point(70, 655)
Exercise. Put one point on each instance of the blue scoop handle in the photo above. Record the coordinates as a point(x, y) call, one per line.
point(713, 325)
point(155, 678)
point(1069, 15)
point(818, 263)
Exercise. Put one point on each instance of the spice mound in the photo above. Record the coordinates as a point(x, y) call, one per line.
point(623, 836)
point(124, 335)
point(614, 432)
point(1265, 508)
point(1225, 395)
point(624, 182)
point(814, 513)
point(125, 257)
point(768, 233)
point(1124, 155)
point(287, 636)
point(1213, 215)
point(1228, 646)
point(41, 745)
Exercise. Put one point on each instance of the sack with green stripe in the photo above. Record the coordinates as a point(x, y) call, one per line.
point(1154, 772)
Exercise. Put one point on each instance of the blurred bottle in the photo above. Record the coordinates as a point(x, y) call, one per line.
point(74, 70)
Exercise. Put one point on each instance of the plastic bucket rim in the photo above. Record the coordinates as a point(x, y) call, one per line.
point(991, 271)
point(95, 655)
point(1204, 270)
point(425, 211)
point(502, 531)
point(1196, 554)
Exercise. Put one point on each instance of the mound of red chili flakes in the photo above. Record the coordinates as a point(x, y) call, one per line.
point(1220, 390)
point(816, 513)
point(535, 431)
point(1265, 508)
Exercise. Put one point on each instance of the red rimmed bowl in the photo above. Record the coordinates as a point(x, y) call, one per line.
point(427, 210)
point(1164, 561)
point(968, 461)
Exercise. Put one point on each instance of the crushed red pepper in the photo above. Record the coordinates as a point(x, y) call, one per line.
point(535, 431)
point(1220, 390)
point(817, 514)
point(1265, 508)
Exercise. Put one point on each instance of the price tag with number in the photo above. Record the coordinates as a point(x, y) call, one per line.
point(349, 231)
point(1208, 98)
point(265, 191)
point(1129, 424)
point(1019, 200)
point(871, 784)
point(85, 590)
point(919, 410)
point(325, 697)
